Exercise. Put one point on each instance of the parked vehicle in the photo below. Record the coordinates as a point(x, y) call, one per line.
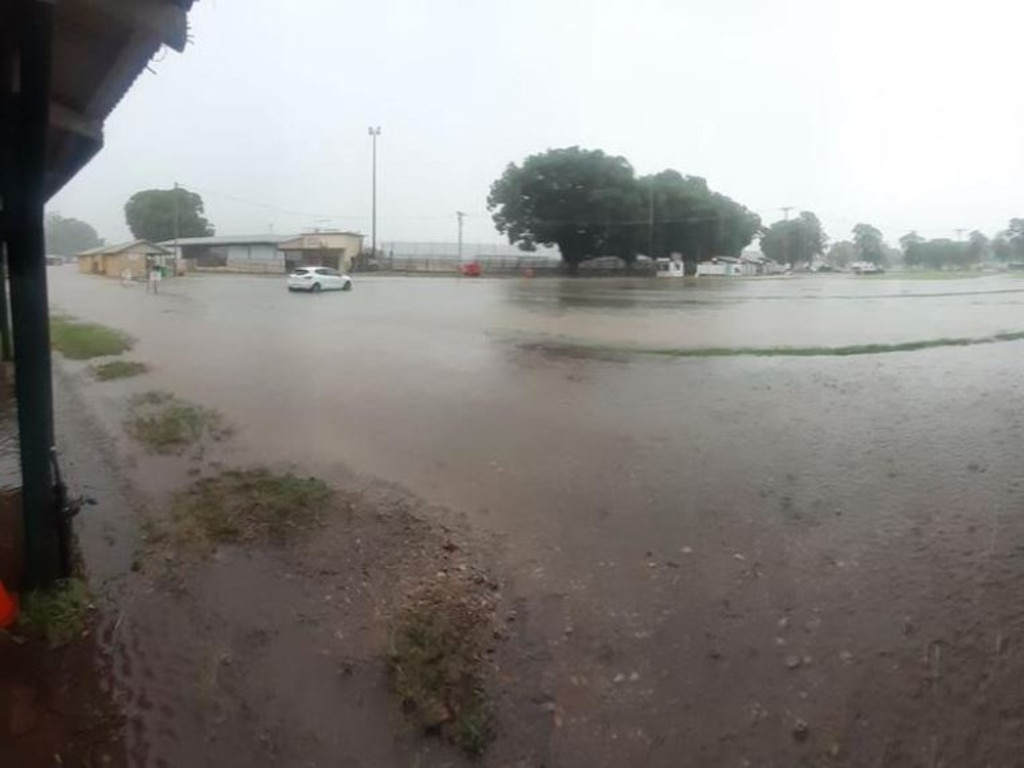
point(316, 279)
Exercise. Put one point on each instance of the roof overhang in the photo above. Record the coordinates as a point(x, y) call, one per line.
point(99, 48)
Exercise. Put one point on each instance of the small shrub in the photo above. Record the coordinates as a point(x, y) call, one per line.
point(58, 614)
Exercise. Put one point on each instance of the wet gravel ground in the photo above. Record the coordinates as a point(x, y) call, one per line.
point(765, 562)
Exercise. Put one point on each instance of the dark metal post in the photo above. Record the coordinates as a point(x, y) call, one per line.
point(24, 197)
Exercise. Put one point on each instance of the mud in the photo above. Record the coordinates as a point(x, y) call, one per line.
point(709, 561)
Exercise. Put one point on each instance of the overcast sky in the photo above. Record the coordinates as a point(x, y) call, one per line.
point(907, 114)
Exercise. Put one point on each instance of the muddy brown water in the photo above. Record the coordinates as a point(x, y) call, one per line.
point(734, 561)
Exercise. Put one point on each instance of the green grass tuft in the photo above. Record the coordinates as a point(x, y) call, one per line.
point(597, 351)
point(166, 425)
point(437, 668)
point(58, 614)
point(82, 341)
point(855, 349)
point(251, 506)
point(118, 369)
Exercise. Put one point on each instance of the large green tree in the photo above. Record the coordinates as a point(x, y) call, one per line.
point(585, 202)
point(67, 236)
point(684, 216)
point(163, 214)
point(1001, 249)
point(794, 240)
point(1014, 235)
point(869, 243)
point(941, 253)
point(978, 247)
point(841, 254)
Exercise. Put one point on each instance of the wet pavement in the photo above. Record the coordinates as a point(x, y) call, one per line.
point(730, 561)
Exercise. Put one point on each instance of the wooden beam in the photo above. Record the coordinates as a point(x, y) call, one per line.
point(163, 20)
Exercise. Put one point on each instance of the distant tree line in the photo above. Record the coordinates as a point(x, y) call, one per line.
point(67, 236)
point(946, 253)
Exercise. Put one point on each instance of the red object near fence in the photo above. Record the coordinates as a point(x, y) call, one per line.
point(472, 269)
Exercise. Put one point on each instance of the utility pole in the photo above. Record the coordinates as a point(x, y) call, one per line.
point(785, 211)
point(177, 222)
point(460, 216)
point(650, 224)
point(960, 233)
point(374, 132)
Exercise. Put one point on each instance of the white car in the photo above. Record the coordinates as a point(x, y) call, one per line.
point(316, 279)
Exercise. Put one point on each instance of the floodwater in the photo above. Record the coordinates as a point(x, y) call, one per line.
point(731, 561)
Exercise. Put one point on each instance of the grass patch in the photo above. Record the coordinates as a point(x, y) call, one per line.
point(604, 352)
point(251, 506)
point(58, 614)
point(82, 341)
point(437, 665)
point(926, 275)
point(167, 425)
point(118, 369)
point(855, 349)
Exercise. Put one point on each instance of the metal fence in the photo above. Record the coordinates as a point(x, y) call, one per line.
point(452, 265)
point(470, 251)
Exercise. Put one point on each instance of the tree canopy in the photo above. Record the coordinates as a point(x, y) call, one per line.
point(67, 236)
point(842, 254)
point(686, 217)
point(583, 201)
point(1014, 235)
point(792, 241)
point(978, 247)
point(940, 253)
point(1000, 247)
point(869, 243)
point(591, 204)
point(163, 214)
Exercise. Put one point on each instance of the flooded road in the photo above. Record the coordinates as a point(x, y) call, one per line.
point(729, 561)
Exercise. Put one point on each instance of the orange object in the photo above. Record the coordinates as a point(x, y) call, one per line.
point(8, 607)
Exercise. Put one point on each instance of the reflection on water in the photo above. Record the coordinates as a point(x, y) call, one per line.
point(793, 311)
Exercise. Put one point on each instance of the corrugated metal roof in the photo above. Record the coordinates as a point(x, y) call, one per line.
point(229, 240)
point(110, 250)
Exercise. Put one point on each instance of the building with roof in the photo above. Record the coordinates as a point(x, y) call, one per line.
point(333, 249)
point(132, 259)
point(234, 253)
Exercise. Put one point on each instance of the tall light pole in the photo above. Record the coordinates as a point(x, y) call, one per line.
point(374, 133)
point(460, 215)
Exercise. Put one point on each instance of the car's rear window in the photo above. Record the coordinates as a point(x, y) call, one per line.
point(301, 271)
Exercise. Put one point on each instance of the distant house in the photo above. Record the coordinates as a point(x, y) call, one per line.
point(322, 249)
point(731, 266)
point(134, 258)
point(666, 267)
point(231, 253)
point(725, 266)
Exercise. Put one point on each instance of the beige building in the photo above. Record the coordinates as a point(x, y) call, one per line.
point(322, 249)
point(120, 260)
